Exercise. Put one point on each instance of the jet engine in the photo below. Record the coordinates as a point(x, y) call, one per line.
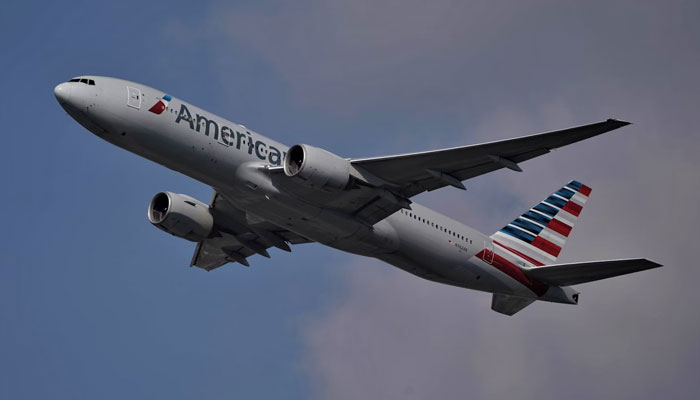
point(181, 216)
point(317, 168)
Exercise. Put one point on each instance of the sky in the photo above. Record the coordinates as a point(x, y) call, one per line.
point(97, 303)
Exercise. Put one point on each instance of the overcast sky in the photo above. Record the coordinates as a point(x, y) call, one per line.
point(96, 303)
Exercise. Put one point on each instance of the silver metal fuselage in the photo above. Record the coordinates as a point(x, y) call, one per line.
point(420, 241)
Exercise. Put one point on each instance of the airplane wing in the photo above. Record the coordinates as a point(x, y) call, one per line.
point(383, 185)
point(395, 179)
point(415, 173)
point(576, 273)
point(238, 237)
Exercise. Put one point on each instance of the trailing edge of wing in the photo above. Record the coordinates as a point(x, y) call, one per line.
point(576, 273)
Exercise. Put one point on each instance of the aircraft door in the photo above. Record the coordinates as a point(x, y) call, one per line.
point(134, 97)
point(487, 254)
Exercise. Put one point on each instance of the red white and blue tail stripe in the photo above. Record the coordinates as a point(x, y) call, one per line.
point(537, 236)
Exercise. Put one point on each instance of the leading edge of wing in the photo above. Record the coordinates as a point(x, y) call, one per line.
point(605, 126)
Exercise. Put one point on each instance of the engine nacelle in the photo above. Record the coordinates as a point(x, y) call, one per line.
point(181, 216)
point(317, 168)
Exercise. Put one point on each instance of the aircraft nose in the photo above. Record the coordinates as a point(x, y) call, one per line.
point(62, 92)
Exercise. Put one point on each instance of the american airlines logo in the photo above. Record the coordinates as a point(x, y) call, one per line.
point(227, 136)
point(161, 105)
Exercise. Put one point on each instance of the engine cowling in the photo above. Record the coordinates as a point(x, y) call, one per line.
point(181, 216)
point(317, 168)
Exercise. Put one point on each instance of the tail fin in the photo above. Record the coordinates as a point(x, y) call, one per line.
point(539, 234)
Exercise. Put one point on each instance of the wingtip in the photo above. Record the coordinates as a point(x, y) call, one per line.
point(619, 122)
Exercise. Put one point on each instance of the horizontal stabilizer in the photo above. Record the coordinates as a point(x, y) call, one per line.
point(575, 273)
point(509, 305)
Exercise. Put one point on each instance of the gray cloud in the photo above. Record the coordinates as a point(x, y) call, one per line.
point(334, 54)
point(500, 69)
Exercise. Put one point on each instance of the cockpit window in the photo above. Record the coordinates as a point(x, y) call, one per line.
point(90, 82)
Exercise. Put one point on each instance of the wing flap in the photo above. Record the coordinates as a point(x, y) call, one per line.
point(212, 253)
point(576, 273)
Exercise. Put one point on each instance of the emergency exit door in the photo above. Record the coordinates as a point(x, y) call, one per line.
point(134, 97)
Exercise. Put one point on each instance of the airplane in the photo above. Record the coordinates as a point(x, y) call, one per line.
point(267, 194)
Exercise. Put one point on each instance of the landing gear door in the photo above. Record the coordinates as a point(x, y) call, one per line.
point(487, 254)
point(134, 97)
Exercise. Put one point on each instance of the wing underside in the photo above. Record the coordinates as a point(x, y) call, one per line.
point(430, 170)
point(236, 238)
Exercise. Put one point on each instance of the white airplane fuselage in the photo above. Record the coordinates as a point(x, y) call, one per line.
point(232, 159)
